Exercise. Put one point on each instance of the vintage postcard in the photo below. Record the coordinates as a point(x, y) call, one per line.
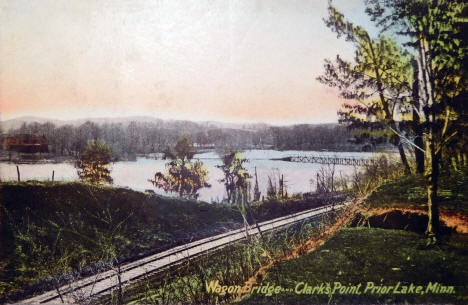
point(233, 152)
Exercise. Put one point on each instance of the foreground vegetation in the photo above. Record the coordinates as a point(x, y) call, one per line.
point(385, 249)
point(53, 228)
point(385, 257)
point(355, 255)
point(60, 230)
point(392, 251)
point(232, 265)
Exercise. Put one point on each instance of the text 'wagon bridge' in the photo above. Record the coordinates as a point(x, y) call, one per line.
point(330, 160)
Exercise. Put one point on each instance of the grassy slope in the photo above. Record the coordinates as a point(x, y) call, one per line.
point(359, 255)
point(43, 222)
point(410, 192)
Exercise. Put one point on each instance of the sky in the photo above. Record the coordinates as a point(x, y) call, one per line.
point(234, 61)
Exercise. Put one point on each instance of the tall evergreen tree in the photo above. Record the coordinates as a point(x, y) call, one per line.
point(376, 82)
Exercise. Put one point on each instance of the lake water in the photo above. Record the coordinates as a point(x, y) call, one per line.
point(135, 174)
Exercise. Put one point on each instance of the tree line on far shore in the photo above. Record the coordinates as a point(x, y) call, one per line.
point(128, 139)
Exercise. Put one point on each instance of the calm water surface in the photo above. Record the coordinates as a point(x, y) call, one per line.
point(135, 174)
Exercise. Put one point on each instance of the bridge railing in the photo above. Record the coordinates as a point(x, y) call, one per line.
point(330, 160)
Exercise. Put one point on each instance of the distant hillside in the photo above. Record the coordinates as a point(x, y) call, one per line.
point(16, 123)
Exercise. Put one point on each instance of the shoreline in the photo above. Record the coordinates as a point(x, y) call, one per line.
point(48, 158)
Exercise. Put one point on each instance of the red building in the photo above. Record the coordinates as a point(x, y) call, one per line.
point(25, 143)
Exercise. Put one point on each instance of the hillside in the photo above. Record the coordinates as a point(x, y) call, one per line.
point(51, 228)
point(48, 229)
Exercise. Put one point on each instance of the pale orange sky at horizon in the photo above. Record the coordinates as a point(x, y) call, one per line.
point(236, 61)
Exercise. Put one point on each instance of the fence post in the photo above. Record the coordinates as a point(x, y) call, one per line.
point(18, 172)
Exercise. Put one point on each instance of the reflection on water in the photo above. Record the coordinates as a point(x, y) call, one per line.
point(135, 174)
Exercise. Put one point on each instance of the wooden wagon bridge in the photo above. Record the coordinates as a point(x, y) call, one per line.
point(330, 160)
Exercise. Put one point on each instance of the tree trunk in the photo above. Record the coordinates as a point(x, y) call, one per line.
point(418, 131)
point(418, 154)
point(386, 106)
point(432, 176)
point(404, 160)
point(431, 158)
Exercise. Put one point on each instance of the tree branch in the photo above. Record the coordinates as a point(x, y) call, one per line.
point(406, 139)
